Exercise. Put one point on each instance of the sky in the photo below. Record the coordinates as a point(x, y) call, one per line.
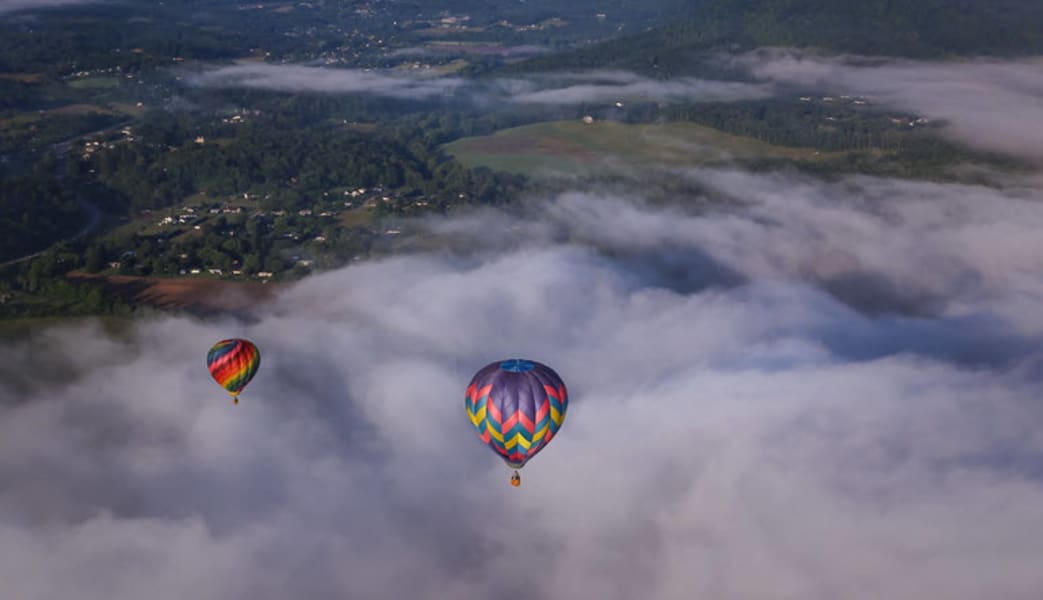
point(814, 390)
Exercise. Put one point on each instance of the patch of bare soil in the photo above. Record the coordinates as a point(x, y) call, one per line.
point(206, 295)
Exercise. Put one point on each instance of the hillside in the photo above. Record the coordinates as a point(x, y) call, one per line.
point(924, 29)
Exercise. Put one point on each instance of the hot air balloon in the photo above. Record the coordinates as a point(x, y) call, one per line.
point(517, 407)
point(232, 364)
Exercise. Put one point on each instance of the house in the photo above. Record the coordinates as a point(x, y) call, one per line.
point(588, 119)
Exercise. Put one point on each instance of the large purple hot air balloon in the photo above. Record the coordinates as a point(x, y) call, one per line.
point(517, 406)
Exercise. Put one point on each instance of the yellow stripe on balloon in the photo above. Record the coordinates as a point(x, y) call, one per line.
point(496, 434)
point(517, 440)
point(542, 432)
point(478, 416)
point(556, 416)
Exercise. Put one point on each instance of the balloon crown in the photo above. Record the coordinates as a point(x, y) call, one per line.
point(517, 365)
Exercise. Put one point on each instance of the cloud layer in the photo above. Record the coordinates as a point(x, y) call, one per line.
point(297, 78)
point(742, 424)
point(612, 86)
point(991, 104)
point(553, 89)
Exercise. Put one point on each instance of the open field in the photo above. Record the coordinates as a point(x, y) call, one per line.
point(27, 125)
point(67, 110)
point(186, 293)
point(94, 83)
point(81, 109)
point(358, 217)
point(559, 147)
point(22, 77)
point(128, 109)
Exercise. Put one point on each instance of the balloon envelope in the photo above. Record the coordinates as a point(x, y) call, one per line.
point(517, 407)
point(233, 363)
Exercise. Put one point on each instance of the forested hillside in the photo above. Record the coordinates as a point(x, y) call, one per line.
point(922, 29)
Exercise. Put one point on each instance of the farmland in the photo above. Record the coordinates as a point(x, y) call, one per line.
point(557, 147)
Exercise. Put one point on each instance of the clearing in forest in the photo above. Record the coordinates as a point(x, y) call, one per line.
point(557, 147)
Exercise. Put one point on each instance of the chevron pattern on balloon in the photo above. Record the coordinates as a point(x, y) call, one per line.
point(517, 433)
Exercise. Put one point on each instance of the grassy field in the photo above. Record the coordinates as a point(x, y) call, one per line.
point(128, 109)
point(22, 77)
point(95, 83)
point(573, 147)
point(39, 128)
point(357, 217)
point(29, 117)
point(185, 292)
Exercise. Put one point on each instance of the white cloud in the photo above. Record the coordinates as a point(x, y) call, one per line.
point(595, 86)
point(550, 89)
point(991, 104)
point(297, 78)
point(736, 430)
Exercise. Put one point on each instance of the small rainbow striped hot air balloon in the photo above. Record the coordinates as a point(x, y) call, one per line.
point(517, 406)
point(232, 364)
